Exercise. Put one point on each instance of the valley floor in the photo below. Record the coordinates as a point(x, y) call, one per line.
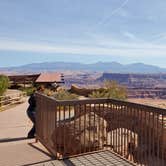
point(149, 101)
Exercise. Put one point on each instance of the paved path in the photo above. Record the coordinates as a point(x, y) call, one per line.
point(25, 152)
point(14, 122)
point(15, 149)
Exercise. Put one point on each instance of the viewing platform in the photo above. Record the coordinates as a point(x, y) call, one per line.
point(84, 132)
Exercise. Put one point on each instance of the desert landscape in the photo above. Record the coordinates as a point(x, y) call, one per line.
point(148, 101)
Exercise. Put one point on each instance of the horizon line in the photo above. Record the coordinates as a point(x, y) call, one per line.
point(125, 64)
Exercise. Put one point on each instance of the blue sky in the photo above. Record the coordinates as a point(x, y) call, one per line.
point(86, 31)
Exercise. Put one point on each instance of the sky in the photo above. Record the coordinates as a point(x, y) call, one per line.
point(86, 31)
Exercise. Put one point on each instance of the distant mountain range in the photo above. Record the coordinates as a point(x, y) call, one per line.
point(113, 67)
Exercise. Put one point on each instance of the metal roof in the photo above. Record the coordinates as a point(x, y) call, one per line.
point(49, 78)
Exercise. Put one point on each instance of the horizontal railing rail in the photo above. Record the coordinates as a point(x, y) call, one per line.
point(134, 131)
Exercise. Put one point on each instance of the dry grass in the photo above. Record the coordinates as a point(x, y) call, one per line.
point(148, 101)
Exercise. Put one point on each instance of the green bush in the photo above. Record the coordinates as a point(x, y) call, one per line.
point(4, 84)
point(48, 92)
point(111, 89)
point(28, 90)
point(64, 95)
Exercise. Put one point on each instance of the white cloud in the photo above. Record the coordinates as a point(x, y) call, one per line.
point(115, 48)
point(129, 35)
point(159, 37)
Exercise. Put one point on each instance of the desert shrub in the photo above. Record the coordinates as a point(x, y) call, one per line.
point(48, 92)
point(111, 89)
point(64, 95)
point(4, 84)
point(98, 94)
point(28, 90)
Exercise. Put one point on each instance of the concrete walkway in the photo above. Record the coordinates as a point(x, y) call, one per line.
point(19, 153)
point(14, 122)
point(15, 149)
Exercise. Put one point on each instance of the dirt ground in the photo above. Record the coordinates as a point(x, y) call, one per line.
point(148, 101)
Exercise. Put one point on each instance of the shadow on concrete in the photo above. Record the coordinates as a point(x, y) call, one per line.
point(52, 162)
point(41, 162)
point(3, 140)
point(68, 162)
point(41, 150)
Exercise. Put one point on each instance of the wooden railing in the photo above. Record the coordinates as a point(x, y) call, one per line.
point(136, 132)
point(8, 100)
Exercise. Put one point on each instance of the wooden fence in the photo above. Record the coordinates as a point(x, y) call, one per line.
point(136, 132)
point(8, 100)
